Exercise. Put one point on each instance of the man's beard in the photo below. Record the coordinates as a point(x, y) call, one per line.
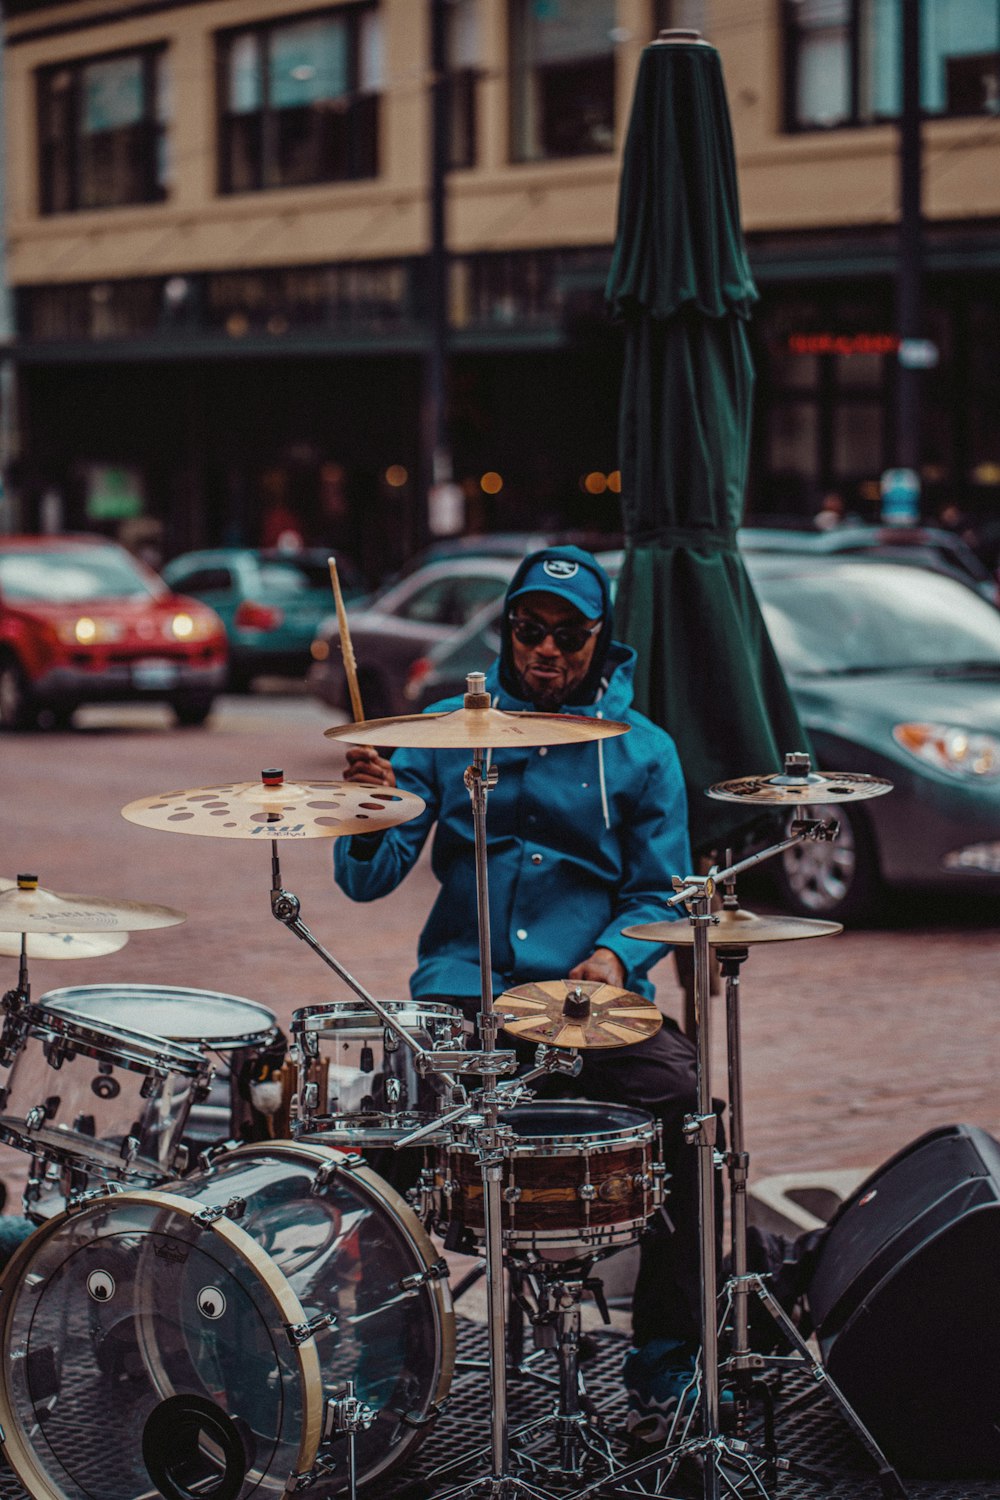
point(544, 702)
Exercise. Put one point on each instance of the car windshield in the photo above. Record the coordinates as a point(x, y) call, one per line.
point(77, 576)
point(874, 617)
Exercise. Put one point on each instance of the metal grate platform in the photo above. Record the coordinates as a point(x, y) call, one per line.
point(810, 1433)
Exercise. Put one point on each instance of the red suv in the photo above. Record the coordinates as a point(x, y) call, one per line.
point(83, 621)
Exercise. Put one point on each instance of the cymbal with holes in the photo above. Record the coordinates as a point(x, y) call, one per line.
point(476, 729)
point(735, 929)
point(575, 1013)
point(815, 787)
point(273, 808)
point(32, 909)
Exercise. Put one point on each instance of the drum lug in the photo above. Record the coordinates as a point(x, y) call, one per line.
point(129, 1149)
point(206, 1158)
point(35, 1117)
point(437, 1272)
point(80, 1200)
point(212, 1213)
point(587, 1192)
point(325, 1174)
point(512, 1195)
point(301, 1333)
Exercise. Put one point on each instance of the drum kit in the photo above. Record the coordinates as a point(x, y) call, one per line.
point(275, 1317)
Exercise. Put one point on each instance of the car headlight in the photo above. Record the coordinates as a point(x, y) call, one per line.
point(85, 630)
point(957, 752)
point(185, 627)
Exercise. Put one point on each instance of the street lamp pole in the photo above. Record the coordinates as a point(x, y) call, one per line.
point(436, 458)
point(909, 266)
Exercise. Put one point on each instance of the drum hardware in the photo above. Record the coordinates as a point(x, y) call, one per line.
point(730, 1459)
point(346, 1416)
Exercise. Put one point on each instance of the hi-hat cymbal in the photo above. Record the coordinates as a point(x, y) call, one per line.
point(735, 929)
point(273, 808)
point(578, 1013)
point(476, 729)
point(816, 787)
point(62, 944)
point(29, 908)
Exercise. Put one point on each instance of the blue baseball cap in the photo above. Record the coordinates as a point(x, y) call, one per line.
point(569, 580)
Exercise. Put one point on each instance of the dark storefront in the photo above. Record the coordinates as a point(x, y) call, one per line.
point(223, 395)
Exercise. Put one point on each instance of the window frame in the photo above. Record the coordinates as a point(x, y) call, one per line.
point(525, 134)
point(791, 37)
point(155, 129)
point(266, 117)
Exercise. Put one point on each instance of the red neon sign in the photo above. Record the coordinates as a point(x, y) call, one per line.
point(843, 343)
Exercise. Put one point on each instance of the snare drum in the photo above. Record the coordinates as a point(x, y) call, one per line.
point(357, 1082)
point(220, 1318)
point(236, 1031)
point(104, 1101)
point(580, 1179)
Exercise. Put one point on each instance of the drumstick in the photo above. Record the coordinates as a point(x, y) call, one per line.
point(347, 650)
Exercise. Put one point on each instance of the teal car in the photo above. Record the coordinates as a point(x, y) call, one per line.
point(271, 602)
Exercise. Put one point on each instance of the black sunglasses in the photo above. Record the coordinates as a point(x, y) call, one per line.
point(568, 638)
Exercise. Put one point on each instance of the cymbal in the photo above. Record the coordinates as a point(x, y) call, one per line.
point(62, 944)
point(273, 808)
point(816, 787)
point(578, 1013)
point(735, 929)
point(27, 907)
point(476, 729)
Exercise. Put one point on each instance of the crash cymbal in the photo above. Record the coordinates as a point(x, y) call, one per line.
point(476, 729)
point(26, 907)
point(735, 929)
point(813, 787)
point(62, 944)
point(578, 1013)
point(273, 808)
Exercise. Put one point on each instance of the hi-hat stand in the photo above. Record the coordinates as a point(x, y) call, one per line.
point(729, 1464)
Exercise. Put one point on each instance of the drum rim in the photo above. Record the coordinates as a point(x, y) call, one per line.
point(303, 1019)
point(30, 1141)
point(153, 1053)
point(261, 1036)
point(243, 1245)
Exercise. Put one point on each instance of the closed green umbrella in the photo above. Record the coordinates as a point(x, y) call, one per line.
point(681, 281)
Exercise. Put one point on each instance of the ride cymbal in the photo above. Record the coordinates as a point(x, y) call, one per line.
point(814, 787)
point(578, 1013)
point(735, 929)
point(273, 808)
point(27, 907)
point(476, 729)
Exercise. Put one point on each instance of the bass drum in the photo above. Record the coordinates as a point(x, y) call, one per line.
point(216, 1319)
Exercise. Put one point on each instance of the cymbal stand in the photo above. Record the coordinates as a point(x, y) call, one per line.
point(730, 1461)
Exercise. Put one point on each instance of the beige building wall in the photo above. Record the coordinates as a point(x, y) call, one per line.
point(810, 181)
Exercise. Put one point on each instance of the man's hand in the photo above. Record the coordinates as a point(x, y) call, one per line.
point(366, 766)
point(602, 965)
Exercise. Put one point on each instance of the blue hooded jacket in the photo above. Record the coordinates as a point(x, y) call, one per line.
point(582, 839)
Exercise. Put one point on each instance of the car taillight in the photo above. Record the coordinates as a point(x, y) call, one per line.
point(414, 678)
point(252, 616)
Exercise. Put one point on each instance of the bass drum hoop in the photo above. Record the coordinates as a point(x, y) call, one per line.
point(19, 1452)
point(407, 1221)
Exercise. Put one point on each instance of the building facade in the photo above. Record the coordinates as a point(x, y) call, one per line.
point(219, 243)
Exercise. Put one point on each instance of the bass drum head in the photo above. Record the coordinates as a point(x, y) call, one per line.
point(188, 1333)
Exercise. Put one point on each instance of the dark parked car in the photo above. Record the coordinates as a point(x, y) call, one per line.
point(401, 623)
point(271, 602)
point(82, 621)
point(895, 671)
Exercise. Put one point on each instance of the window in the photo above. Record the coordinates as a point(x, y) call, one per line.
point(563, 78)
point(299, 101)
point(463, 71)
point(102, 131)
point(843, 60)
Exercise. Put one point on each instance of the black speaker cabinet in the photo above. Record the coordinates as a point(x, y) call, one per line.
point(905, 1299)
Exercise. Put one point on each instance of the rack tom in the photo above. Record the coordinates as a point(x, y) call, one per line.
point(579, 1178)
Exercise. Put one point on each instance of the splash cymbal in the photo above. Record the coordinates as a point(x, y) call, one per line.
point(735, 929)
point(578, 1013)
point(273, 808)
point(27, 907)
point(476, 729)
point(813, 787)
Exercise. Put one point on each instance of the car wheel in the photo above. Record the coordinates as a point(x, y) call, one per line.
point(192, 709)
point(837, 881)
point(17, 707)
